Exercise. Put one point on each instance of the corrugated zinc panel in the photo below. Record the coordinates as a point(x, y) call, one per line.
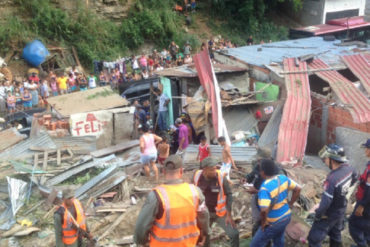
point(239, 154)
point(21, 150)
point(292, 138)
point(355, 101)
point(271, 132)
point(9, 138)
point(360, 67)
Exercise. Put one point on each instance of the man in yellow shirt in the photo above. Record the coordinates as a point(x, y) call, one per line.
point(62, 84)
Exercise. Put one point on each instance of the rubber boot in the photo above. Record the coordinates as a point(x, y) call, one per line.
point(334, 243)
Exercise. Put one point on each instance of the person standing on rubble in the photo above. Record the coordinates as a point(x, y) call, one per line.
point(164, 100)
point(183, 137)
point(255, 177)
point(66, 217)
point(329, 216)
point(359, 222)
point(174, 213)
point(219, 198)
point(148, 150)
point(274, 205)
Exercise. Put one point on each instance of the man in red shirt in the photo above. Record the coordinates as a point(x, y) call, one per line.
point(34, 77)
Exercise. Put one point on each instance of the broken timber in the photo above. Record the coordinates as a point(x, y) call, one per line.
point(114, 149)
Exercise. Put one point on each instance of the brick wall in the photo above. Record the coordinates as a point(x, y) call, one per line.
point(337, 117)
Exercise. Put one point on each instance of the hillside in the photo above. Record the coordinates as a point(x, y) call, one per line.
point(108, 29)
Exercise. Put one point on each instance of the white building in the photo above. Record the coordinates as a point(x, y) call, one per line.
point(316, 12)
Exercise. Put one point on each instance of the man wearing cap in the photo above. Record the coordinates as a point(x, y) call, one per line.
point(66, 217)
point(255, 177)
point(174, 213)
point(359, 222)
point(329, 216)
point(274, 204)
point(219, 198)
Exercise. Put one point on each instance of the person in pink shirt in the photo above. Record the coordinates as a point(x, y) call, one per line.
point(54, 86)
point(143, 62)
point(183, 137)
point(148, 150)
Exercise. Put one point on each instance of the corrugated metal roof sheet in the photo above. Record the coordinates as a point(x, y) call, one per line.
point(239, 154)
point(271, 132)
point(293, 130)
point(360, 67)
point(328, 51)
point(190, 71)
point(84, 144)
point(9, 138)
point(355, 101)
point(21, 150)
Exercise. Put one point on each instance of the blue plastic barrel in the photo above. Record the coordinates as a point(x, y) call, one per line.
point(35, 53)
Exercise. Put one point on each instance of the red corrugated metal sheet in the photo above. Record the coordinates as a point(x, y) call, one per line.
point(294, 124)
point(355, 101)
point(360, 67)
point(204, 69)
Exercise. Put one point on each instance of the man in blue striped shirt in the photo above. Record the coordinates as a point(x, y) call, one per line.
point(274, 205)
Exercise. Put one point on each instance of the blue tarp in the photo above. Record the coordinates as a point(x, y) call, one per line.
point(35, 53)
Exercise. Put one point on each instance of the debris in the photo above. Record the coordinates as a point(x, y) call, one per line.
point(125, 240)
point(115, 149)
point(111, 227)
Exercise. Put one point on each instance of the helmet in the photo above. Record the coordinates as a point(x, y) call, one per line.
point(334, 152)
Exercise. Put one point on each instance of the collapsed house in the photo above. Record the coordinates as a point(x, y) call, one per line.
point(326, 88)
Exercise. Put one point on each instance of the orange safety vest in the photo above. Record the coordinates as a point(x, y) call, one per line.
point(178, 225)
point(221, 198)
point(69, 231)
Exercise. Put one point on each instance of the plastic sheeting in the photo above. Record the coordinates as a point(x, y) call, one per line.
point(17, 190)
point(35, 53)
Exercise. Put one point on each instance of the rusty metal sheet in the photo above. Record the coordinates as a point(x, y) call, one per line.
point(360, 67)
point(293, 131)
point(352, 98)
point(9, 138)
point(116, 148)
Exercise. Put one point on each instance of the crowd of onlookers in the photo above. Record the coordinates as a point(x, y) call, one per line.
point(33, 90)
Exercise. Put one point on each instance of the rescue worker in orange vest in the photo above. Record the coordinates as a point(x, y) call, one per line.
point(174, 214)
point(66, 233)
point(218, 196)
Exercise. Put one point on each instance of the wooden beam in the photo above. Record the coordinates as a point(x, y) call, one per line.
point(114, 225)
point(307, 71)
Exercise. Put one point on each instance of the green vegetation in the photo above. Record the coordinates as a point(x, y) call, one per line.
point(148, 21)
point(248, 17)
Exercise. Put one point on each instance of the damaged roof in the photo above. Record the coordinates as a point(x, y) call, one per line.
point(352, 98)
point(293, 131)
point(265, 54)
point(190, 70)
point(101, 98)
point(360, 67)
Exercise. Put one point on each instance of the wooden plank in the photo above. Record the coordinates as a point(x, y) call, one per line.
point(44, 165)
point(35, 161)
point(114, 225)
point(114, 149)
point(110, 210)
point(58, 157)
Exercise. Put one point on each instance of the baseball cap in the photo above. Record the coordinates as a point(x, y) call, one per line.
point(173, 162)
point(208, 162)
point(366, 144)
point(68, 193)
point(178, 121)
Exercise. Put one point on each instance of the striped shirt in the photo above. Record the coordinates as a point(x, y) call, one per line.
point(268, 194)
